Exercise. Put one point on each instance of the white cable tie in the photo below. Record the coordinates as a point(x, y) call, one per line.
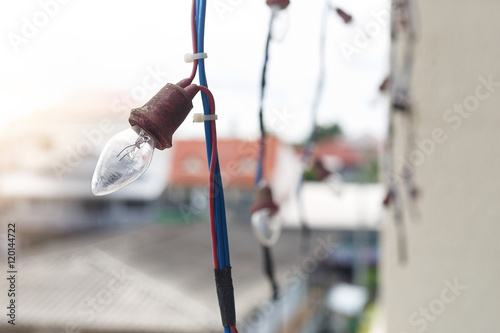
point(190, 57)
point(200, 117)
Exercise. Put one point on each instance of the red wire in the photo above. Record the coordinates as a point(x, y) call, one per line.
point(212, 181)
point(213, 157)
point(214, 151)
point(212, 175)
point(193, 37)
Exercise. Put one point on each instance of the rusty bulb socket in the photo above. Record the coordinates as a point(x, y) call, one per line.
point(388, 199)
point(282, 4)
point(264, 199)
point(346, 17)
point(165, 112)
point(384, 86)
point(414, 193)
point(319, 170)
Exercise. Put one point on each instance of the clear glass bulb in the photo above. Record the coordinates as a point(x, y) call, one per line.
point(126, 156)
point(266, 227)
point(335, 182)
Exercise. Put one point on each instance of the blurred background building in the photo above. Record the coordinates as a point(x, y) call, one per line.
point(99, 259)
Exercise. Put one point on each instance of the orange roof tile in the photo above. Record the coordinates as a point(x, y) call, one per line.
point(237, 160)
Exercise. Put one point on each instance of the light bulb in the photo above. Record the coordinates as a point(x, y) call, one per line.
point(334, 182)
point(266, 226)
point(126, 156)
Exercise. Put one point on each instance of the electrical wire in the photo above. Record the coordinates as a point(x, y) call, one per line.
point(403, 21)
point(218, 225)
point(307, 152)
point(260, 162)
point(259, 175)
point(194, 39)
point(212, 177)
point(219, 206)
point(308, 148)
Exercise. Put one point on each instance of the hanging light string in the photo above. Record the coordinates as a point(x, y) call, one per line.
point(267, 255)
point(262, 145)
point(218, 224)
point(409, 25)
point(402, 22)
point(393, 196)
point(308, 149)
point(307, 152)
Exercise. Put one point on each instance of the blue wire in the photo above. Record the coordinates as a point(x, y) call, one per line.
point(220, 211)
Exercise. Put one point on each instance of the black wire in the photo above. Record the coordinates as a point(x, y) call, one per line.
point(266, 251)
point(305, 230)
point(264, 71)
point(269, 269)
point(261, 106)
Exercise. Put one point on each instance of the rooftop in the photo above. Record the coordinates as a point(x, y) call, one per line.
point(155, 278)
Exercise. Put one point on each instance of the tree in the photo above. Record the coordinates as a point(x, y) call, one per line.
point(328, 132)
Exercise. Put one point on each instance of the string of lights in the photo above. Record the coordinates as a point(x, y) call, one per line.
point(260, 161)
point(128, 154)
point(403, 27)
point(265, 223)
point(308, 149)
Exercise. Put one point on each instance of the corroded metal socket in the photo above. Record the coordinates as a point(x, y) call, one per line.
point(281, 3)
point(388, 198)
point(264, 199)
point(384, 86)
point(414, 192)
point(165, 112)
point(346, 17)
point(319, 170)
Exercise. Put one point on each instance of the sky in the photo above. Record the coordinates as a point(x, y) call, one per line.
point(52, 49)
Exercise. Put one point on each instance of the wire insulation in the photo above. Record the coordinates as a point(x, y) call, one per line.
point(218, 224)
point(262, 148)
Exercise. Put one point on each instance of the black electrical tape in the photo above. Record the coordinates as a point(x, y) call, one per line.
point(225, 294)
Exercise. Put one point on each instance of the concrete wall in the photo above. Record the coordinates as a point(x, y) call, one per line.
point(457, 240)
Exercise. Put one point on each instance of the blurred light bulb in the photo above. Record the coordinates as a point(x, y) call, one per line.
point(334, 182)
point(266, 226)
point(126, 156)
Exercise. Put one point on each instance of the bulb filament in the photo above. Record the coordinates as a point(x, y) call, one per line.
point(143, 138)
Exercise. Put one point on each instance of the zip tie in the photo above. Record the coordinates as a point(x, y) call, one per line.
point(200, 117)
point(190, 57)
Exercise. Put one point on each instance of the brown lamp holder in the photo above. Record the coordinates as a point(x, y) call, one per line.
point(282, 4)
point(164, 113)
point(264, 199)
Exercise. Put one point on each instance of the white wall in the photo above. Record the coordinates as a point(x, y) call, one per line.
point(458, 235)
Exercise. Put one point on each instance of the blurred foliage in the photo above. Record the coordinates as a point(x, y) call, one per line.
point(364, 174)
point(327, 132)
point(309, 175)
point(367, 319)
point(368, 173)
